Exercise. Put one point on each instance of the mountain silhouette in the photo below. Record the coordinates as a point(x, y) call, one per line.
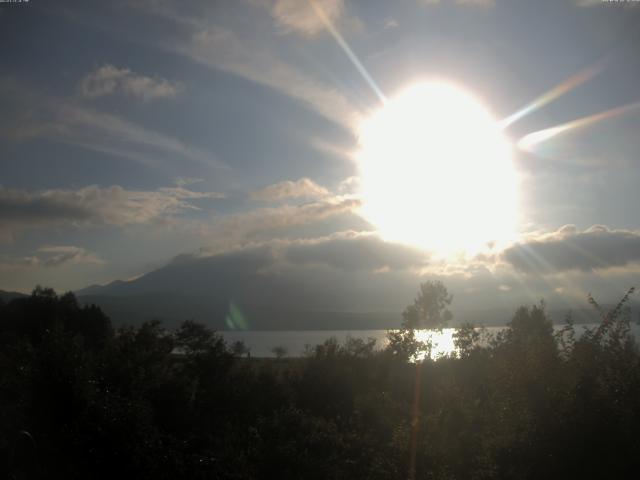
point(210, 289)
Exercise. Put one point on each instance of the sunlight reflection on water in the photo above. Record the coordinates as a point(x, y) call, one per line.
point(261, 343)
point(441, 341)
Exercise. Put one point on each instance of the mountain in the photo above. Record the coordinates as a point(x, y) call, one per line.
point(8, 296)
point(236, 291)
point(98, 289)
point(248, 290)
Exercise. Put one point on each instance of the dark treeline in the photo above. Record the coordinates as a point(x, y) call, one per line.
point(79, 399)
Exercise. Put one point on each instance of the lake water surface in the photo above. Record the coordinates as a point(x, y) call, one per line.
point(261, 343)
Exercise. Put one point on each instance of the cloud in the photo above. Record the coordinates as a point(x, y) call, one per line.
point(250, 53)
point(108, 133)
point(588, 3)
point(391, 23)
point(302, 188)
point(335, 150)
point(51, 257)
point(232, 231)
point(220, 48)
point(35, 115)
point(92, 205)
point(60, 255)
point(477, 3)
point(346, 251)
point(300, 16)
point(355, 251)
point(184, 181)
point(470, 3)
point(108, 80)
point(596, 248)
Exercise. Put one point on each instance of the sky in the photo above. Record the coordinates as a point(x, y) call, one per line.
point(135, 133)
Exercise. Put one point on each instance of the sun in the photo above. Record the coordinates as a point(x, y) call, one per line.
point(436, 171)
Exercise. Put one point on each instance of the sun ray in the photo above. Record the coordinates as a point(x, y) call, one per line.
point(542, 268)
point(556, 92)
point(347, 50)
point(530, 259)
point(531, 140)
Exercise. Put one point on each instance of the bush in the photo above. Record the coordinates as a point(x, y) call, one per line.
point(78, 399)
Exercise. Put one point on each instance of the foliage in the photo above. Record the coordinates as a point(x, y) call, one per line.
point(79, 399)
point(428, 311)
point(430, 308)
point(466, 339)
point(279, 351)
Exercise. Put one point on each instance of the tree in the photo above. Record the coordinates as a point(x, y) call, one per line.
point(430, 308)
point(428, 311)
point(239, 349)
point(279, 351)
point(195, 338)
point(466, 339)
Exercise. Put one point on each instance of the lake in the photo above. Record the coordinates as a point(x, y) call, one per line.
point(261, 343)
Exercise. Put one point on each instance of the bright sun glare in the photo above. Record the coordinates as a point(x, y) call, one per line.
point(436, 171)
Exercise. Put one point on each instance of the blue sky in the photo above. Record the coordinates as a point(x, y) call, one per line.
point(134, 131)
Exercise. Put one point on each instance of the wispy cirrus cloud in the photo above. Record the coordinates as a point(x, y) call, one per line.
point(477, 3)
point(91, 206)
point(302, 188)
point(470, 3)
point(108, 133)
point(109, 79)
point(299, 16)
point(227, 46)
point(57, 255)
point(36, 115)
point(50, 256)
point(221, 48)
point(587, 3)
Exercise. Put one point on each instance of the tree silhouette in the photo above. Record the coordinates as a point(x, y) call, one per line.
point(145, 402)
point(430, 308)
point(428, 311)
point(240, 349)
point(279, 351)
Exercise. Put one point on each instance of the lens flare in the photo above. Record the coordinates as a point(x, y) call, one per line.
point(347, 49)
point(530, 141)
point(556, 92)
